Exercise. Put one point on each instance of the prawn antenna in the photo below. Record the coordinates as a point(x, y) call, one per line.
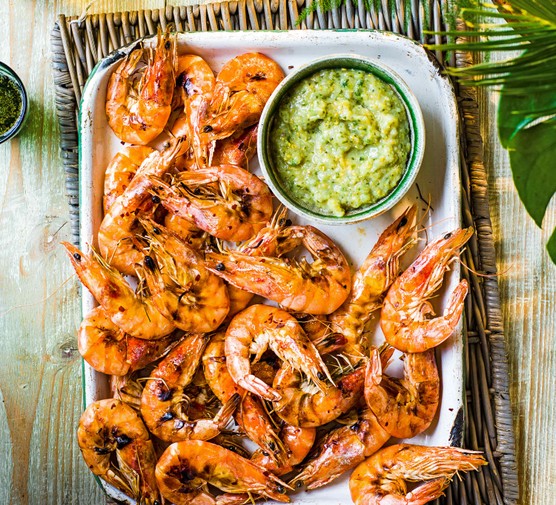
point(480, 274)
point(150, 378)
point(102, 261)
point(270, 411)
point(342, 365)
point(427, 202)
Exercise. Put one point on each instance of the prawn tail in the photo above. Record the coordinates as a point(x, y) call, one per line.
point(434, 462)
point(130, 64)
point(118, 479)
point(455, 304)
point(224, 415)
point(260, 388)
point(373, 373)
point(427, 491)
point(439, 329)
point(386, 352)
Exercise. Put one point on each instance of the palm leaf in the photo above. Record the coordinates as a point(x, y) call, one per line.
point(528, 26)
point(527, 85)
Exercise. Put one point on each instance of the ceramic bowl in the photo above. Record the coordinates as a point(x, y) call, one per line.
point(16, 127)
point(417, 137)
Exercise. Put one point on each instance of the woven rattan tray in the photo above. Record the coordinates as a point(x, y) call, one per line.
point(78, 44)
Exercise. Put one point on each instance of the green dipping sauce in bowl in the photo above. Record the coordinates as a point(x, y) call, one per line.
point(340, 140)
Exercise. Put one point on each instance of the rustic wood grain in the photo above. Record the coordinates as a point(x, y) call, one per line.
point(40, 384)
point(40, 369)
point(528, 294)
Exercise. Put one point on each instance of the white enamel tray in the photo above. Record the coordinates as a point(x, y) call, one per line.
point(438, 181)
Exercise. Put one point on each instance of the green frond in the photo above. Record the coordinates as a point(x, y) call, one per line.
point(542, 9)
point(529, 26)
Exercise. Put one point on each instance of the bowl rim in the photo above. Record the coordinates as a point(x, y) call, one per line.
point(16, 127)
point(416, 123)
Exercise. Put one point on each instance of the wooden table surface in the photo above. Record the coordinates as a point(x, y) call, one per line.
point(40, 368)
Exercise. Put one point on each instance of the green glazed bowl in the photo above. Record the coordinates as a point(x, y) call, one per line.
point(417, 130)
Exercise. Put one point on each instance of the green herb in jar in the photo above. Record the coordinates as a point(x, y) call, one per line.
point(10, 103)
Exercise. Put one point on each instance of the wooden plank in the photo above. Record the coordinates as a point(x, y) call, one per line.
point(40, 370)
point(528, 295)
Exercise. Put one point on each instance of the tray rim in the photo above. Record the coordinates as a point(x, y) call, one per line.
point(456, 433)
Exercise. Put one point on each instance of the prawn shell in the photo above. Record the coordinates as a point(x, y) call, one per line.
point(341, 450)
point(382, 478)
point(138, 114)
point(314, 409)
point(189, 465)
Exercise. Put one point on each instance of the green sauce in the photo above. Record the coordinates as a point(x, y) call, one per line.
point(10, 104)
point(340, 140)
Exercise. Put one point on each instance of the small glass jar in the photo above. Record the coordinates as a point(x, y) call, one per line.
point(7, 73)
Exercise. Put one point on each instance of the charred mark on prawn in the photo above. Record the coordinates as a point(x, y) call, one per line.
point(182, 473)
point(122, 441)
point(168, 416)
point(164, 394)
point(149, 263)
point(259, 76)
